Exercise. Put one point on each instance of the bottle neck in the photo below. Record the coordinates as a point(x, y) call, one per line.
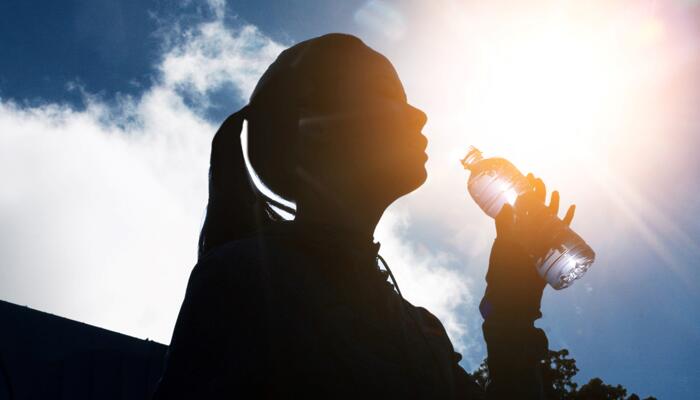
point(472, 158)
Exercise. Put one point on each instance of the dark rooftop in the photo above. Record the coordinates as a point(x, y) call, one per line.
point(44, 356)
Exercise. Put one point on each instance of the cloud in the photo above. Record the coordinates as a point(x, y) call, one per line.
point(382, 18)
point(100, 208)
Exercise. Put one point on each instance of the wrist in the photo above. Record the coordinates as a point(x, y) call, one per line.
point(509, 313)
point(514, 288)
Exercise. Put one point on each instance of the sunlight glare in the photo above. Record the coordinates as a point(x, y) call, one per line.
point(586, 95)
point(559, 85)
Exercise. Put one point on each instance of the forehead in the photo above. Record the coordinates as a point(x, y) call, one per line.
point(386, 78)
point(355, 78)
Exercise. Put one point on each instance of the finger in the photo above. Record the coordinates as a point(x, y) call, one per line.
point(554, 203)
point(504, 221)
point(540, 190)
point(569, 214)
point(531, 180)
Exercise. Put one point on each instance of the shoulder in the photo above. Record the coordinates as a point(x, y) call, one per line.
point(432, 329)
point(426, 319)
point(442, 348)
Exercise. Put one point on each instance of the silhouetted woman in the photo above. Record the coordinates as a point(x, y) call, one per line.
point(278, 309)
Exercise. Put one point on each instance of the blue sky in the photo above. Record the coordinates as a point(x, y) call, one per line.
point(107, 107)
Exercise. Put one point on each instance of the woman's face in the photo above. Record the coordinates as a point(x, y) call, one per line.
point(362, 135)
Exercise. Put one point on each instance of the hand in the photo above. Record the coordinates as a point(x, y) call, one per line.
point(522, 223)
point(514, 287)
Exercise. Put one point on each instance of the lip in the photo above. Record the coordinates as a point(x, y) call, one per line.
point(421, 144)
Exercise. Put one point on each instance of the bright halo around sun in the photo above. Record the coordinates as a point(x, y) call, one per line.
point(592, 96)
point(572, 81)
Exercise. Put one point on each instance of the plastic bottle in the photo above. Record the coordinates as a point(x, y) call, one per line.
point(561, 256)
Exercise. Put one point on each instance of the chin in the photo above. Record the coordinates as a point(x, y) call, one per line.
point(415, 179)
point(422, 176)
point(404, 177)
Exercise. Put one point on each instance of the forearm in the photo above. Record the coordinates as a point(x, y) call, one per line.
point(510, 307)
point(514, 360)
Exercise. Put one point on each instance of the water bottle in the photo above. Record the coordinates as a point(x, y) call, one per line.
point(561, 256)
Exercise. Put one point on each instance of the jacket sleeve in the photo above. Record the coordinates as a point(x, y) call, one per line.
point(510, 307)
point(213, 353)
point(463, 385)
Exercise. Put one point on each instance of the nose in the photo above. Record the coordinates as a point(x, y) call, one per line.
point(418, 117)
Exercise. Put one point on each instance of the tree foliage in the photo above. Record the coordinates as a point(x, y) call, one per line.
point(558, 372)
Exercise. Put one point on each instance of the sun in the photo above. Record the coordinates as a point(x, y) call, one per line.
point(586, 95)
point(563, 83)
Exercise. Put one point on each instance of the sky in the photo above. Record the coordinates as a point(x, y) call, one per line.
point(107, 109)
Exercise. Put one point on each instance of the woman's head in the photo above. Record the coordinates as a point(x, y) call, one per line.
point(329, 118)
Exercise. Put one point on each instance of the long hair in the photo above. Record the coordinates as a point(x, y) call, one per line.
point(236, 206)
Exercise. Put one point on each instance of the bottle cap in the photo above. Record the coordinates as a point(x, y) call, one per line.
point(473, 156)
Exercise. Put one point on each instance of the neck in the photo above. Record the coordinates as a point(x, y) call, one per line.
point(358, 221)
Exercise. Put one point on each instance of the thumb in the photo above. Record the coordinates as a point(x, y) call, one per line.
point(504, 221)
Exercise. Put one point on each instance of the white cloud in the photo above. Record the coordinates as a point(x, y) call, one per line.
point(381, 18)
point(101, 207)
point(210, 56)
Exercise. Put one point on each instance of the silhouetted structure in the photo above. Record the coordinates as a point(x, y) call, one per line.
point(46, 357)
